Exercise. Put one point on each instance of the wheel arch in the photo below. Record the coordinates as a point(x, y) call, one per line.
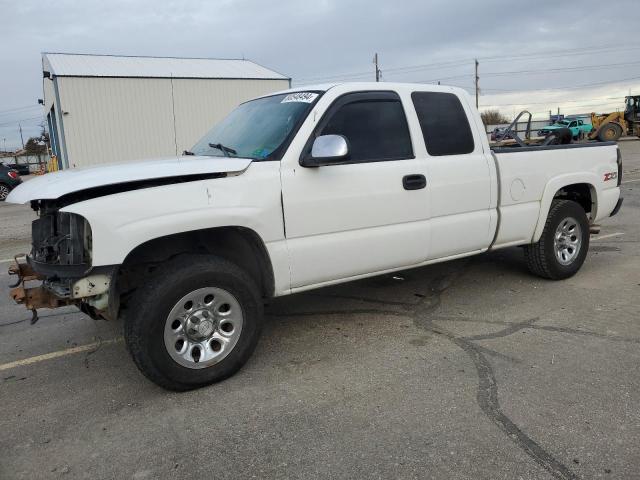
point(240, 245)
point(578, 187)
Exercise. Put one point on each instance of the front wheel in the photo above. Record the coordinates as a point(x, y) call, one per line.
point(194, 323)
point(610, 132)
point(564, 243)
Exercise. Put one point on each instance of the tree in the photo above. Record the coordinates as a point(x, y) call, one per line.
point(493, 117)
point(34, 147)
point(37, 145)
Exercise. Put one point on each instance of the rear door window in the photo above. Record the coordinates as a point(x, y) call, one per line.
point(444, 123)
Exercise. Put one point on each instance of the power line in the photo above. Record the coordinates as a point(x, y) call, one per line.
point(452, 77)
point(551, 101)
point(569, 87)
point(460, 62)
point(18, 121)
point(561, 69)
point(574, 107)
point(549, 70)
point(18, 109)
point(564, 53)
point(527, 56)
point(386, 70)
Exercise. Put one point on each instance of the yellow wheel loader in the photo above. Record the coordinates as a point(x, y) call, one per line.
point(611, 126)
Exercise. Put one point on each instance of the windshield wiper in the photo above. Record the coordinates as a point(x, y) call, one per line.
point(187, 152)
point(225, 150)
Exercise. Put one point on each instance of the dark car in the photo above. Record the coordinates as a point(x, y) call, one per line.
point(9, 179)
point(21, 168)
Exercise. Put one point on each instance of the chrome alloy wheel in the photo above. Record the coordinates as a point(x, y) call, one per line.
point(567, 240)
point(203, 327)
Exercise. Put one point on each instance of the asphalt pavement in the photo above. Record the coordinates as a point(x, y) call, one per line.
point(472, 369)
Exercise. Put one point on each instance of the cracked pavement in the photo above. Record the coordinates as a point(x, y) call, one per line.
point(468, 369)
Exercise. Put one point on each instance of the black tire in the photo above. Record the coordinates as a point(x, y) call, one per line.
point(561, 136)
point(541, 257)
point(4, 191)
point(146, 312)
point(610, 132)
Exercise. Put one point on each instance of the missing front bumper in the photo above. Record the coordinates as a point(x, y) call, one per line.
point(90, 293)
point(32, 298)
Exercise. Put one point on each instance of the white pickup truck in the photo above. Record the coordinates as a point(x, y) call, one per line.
point(295, 191)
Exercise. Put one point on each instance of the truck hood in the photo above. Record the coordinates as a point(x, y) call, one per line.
point(56, 184)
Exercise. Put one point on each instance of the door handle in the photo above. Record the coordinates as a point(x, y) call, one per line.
point(414, 182)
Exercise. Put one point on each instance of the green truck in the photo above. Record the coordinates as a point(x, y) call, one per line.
point(579, 128)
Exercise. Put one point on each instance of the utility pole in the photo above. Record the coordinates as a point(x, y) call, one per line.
point(375, 61)
point(21, 137)
point(477, 85)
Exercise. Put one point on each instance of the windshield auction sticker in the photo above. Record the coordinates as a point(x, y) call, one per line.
point(305, 97)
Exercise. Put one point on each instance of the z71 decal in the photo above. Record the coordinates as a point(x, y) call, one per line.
point(610, 176)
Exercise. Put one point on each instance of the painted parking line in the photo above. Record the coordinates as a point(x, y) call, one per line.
point(610, 235)
point(6, 260)
point(58, 354)
point(631, 181)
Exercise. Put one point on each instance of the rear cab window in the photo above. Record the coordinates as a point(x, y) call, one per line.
point(444, 123)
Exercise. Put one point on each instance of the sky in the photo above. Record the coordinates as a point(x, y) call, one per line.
point(579, 56)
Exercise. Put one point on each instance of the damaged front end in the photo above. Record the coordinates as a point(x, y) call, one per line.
point(60, 260)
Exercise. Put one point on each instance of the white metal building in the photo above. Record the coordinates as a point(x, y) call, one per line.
point(103, 108)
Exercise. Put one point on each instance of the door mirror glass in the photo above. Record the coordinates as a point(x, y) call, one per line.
point(327, 149)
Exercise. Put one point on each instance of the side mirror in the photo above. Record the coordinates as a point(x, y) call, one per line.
point(326, 150)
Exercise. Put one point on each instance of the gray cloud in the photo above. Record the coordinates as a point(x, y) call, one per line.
point(330, 38)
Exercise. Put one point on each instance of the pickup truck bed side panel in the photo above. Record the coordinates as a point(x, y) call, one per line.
point(530, 179)
point(123, 221)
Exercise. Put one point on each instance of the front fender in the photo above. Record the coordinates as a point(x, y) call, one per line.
point(557, 183)
point(122, 221)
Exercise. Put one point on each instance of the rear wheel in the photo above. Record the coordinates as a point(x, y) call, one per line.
point(4, 192)
point(610, 132)
point(564, 243)
point(194, 323)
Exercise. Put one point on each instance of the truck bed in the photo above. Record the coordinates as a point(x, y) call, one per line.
point(529, 177)
point(534, 148)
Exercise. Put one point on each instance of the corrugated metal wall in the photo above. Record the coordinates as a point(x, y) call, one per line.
point(47, 86)
point(120, 119)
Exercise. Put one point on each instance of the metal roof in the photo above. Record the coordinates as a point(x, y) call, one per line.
point(84, 65)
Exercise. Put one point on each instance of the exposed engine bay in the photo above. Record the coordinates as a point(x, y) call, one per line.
point(60, 259)
point(60, 239)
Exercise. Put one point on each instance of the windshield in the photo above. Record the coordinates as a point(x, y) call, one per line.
point(564, 122)
point(259, 129)
point(629, 107)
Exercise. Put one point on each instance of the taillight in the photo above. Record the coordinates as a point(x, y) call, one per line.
point(13, 174)
point(619, 160)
